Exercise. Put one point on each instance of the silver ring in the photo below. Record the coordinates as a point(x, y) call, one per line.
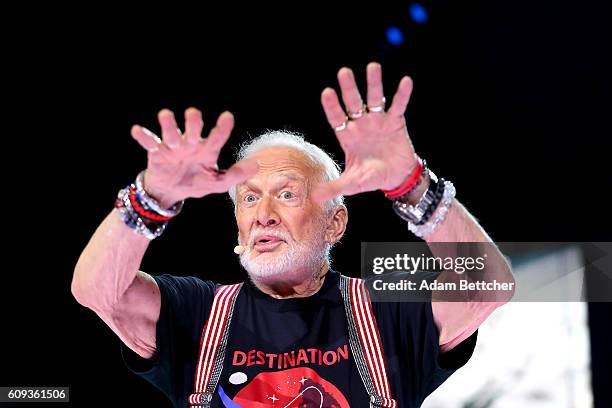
point(340, 127)
point(357, 114)
point(380, 107)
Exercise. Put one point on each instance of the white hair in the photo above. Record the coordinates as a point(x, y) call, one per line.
point(282, 138)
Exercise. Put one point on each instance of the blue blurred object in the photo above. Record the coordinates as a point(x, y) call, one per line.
point(418, 13)
point(395, 36)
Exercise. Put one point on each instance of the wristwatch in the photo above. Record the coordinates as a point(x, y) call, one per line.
point(421, 212)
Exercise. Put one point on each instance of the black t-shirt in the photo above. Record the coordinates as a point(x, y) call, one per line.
point(293, 352)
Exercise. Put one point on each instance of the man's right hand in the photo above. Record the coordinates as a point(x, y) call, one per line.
point(185, 165)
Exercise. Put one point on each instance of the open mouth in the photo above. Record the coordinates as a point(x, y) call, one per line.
point(264, 241)
point(267, 243)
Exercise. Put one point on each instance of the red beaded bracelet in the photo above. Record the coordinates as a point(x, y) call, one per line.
point(407, 185)
point(142, 211)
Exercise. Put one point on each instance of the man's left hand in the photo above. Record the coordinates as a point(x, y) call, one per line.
point(377, 148)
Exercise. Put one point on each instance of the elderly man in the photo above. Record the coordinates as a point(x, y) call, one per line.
point(296, 333)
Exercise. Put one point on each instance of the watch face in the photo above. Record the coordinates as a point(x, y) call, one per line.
point(402, 210)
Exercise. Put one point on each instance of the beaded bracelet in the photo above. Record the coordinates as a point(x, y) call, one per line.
point(440, 213)
point(132, 219)
point(152, 203)
point(435, 201)
point(142, 209)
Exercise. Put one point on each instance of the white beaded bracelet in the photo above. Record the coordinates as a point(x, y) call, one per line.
point(129, 216)
point(422, 231)
point(152, 203)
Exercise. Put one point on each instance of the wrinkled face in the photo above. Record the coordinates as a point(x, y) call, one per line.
point(282, 229)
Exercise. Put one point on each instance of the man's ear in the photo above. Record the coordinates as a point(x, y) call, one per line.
point(337, 224)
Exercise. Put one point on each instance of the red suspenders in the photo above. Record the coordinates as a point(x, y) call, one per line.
point(212, 345)
point(365, 342)
point(363, 336)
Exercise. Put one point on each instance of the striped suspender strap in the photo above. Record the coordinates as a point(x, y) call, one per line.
point(212, 345)
point(365, 342)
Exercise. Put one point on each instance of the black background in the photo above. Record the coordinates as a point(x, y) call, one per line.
point(511, 102)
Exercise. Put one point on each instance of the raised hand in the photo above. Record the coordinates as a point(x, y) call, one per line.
point(185, 165)
point(378, 151)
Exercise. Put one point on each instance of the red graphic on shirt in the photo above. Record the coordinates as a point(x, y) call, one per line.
point(294, 388)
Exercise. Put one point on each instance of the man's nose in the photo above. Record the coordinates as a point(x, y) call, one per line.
point(266, 213)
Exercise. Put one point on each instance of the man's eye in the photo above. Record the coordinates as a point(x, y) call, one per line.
point(287, 195)
point(250, 198)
